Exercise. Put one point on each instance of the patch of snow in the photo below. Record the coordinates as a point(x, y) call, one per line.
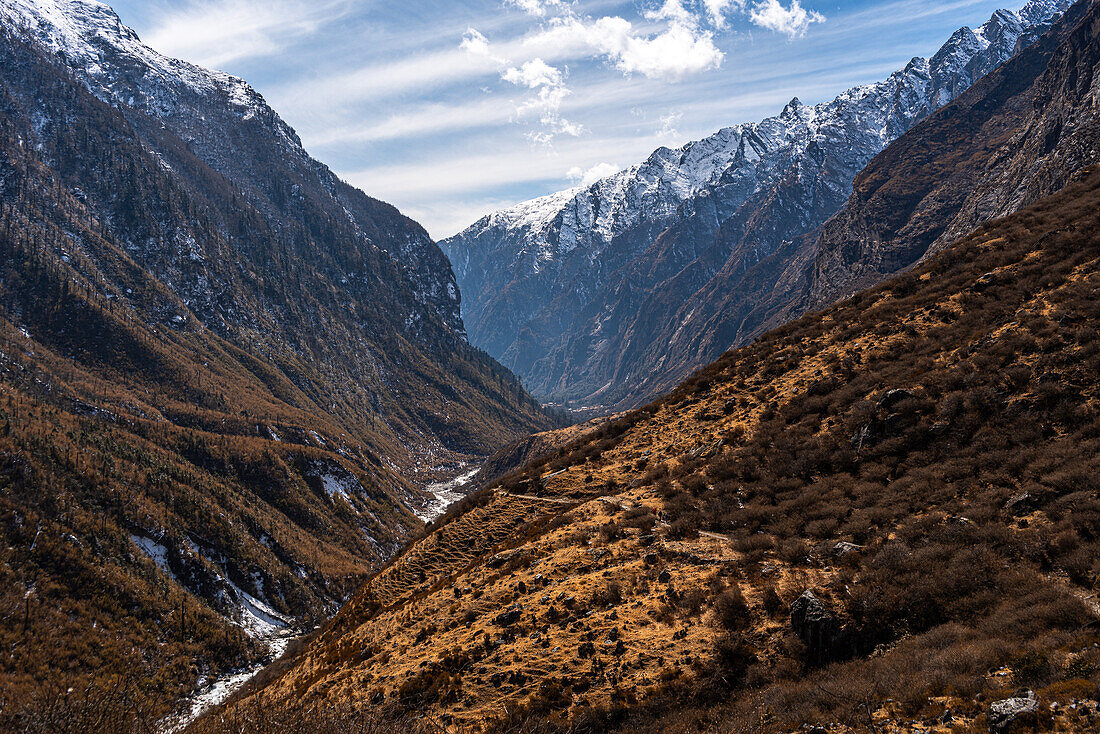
point(222, 688)
point(155, 551)
point(257, 619)
point(334, 486)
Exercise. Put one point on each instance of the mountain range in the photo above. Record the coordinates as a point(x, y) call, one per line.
point(608, 294)
point(236, 394)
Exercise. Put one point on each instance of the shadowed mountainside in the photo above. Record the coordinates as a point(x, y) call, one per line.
point(216, 384)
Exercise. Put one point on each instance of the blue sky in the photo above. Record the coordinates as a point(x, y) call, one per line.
point(453, 109)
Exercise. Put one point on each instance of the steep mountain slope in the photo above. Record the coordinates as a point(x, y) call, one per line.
point(885, 512)
point(221, 370)
point(1019, 135)
point(580, 292)
point(291, 261)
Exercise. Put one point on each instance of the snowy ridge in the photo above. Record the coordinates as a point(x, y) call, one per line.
point(87, 33)
point(552, 287)
point(223, 120)
point(549, 226)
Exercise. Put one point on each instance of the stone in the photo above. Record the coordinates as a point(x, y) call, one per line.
point(893, 397)
point(868, 435)
point(843, 548)
point(1004, 715)
point(510, 617)
point(819, 628)
point(1020, 504)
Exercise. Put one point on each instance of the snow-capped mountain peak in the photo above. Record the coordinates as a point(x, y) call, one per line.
point(548, 272)
point(682, 172)
point(87, 35)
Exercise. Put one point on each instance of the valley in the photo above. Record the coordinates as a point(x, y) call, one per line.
point(794, 429)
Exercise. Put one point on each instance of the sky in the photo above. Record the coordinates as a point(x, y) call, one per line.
point(451, 110)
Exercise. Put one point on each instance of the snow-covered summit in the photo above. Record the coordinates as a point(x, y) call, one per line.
point(592, 216)
point(90, 38)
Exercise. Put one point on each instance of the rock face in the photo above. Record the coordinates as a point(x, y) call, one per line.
point(1020, 134)
point(609, 293)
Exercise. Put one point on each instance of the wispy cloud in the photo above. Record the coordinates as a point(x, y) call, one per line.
point(417, 73)
point(667, 131)
point(548, 83)
point(214, 33)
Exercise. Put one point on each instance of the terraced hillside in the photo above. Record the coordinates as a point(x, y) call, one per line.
point(882, 515)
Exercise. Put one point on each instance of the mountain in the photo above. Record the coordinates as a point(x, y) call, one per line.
point(225, 375)
point(881, 515)
point(581, 293)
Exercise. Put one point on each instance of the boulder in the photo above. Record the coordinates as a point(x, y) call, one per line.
point(1012, 713)
point(1021, 504)
point(819, 628)
point(510, 617)
point(893, 397)
point(843, 548)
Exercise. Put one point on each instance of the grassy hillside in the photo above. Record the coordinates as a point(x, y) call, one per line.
point(921, 458)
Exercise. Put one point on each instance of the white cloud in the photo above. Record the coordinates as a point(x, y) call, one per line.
point(538, 8)
point(546, 104)
point(674, 12)
point(600, 171)
point(475, 42)
point(717, 9)
point(217, 32)
point(672, 54)
point(533, 74)
point(793, 21)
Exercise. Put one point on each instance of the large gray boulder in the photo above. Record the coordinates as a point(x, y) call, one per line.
point(1011, 713)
